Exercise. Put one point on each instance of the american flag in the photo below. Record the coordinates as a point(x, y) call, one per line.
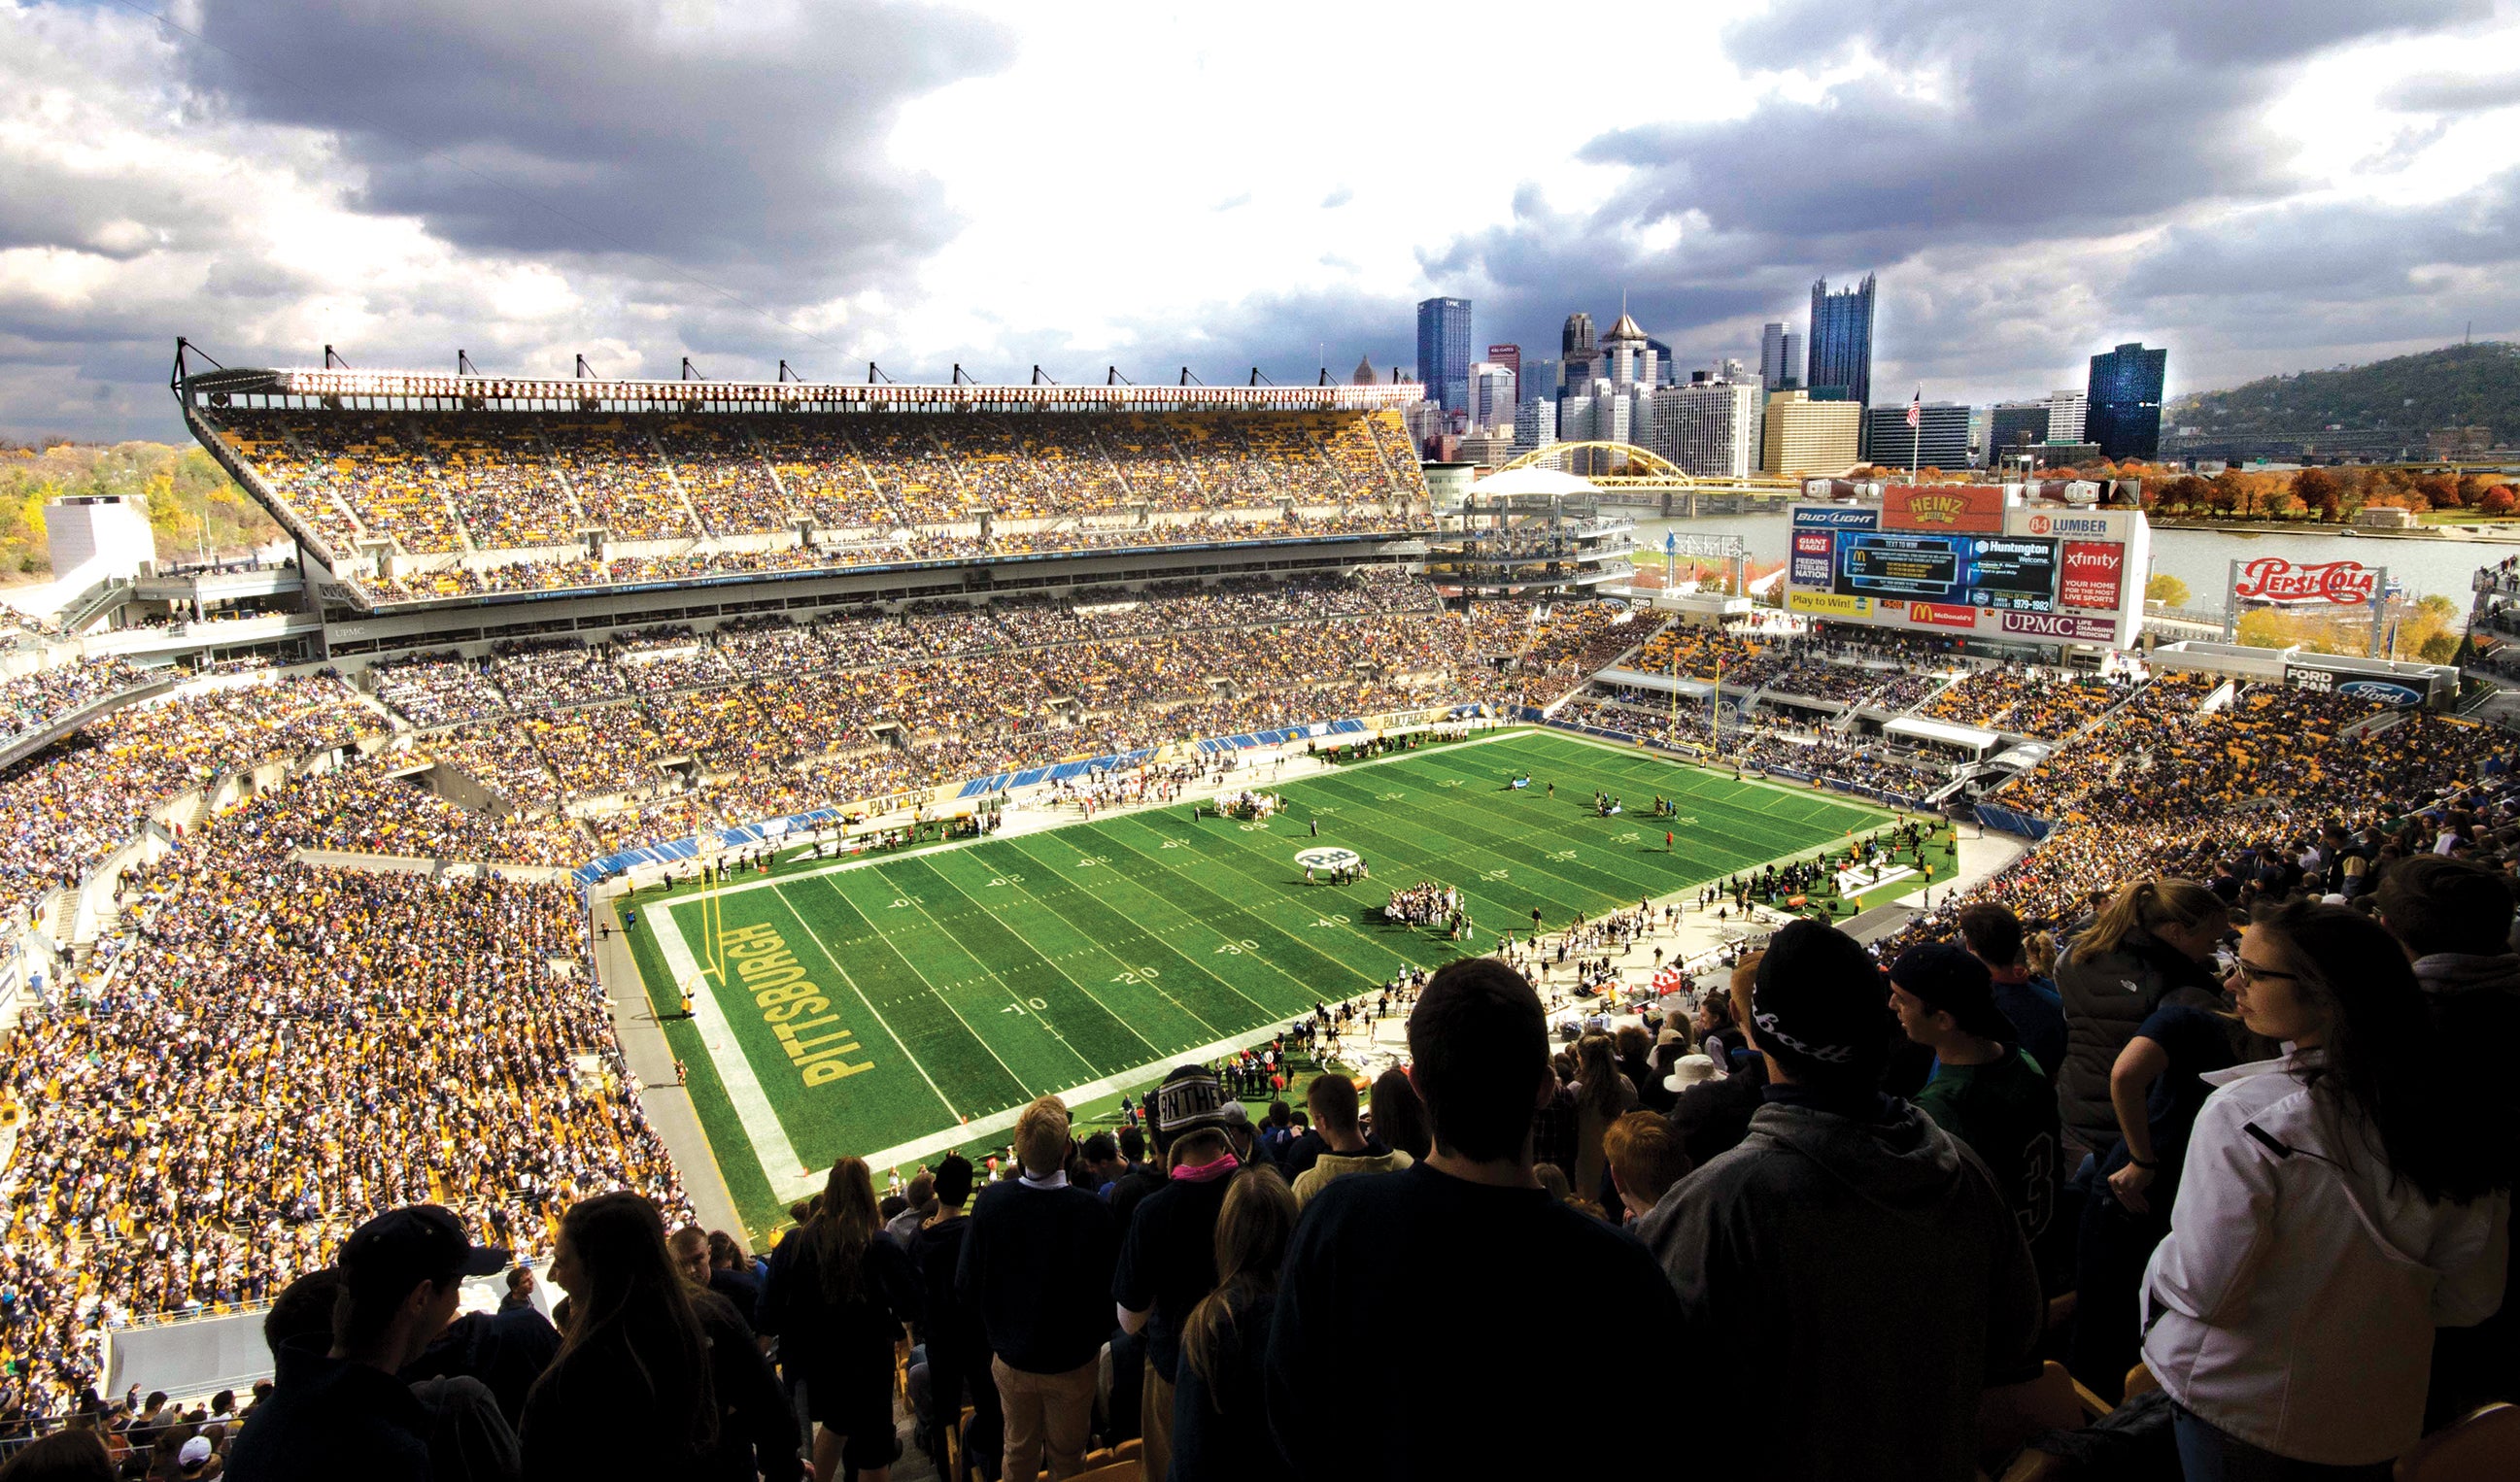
point(1916, 408)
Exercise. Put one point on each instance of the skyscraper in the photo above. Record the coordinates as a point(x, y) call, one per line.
point(1492, 395)
point(1630, 354)
point(1535, 423)
point(2067, 412)
point(1508, 356)
point(1938, 440)
point(1781, 357)
point(1841, 344)
point(1575, 354)
point(1444, 351)
point(1807, 436)
point(2125, 412)
point(1710, 428)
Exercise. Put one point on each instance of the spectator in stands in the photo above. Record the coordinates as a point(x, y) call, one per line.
point(1101, 1157)
point(1713, 1115)
point(2148, 946)
point(1193, 1096)
point(1986, 1090)
point(1645, 1159)
point(1465, 1257)
point(1993, 935)
point(958, 1341)
point(1345, 1150)
point(1400, 1115)
point(2340, 1203)
point(1168, 1258)
point(1602, 1095)
point(65, 1455)
point(507, 1350)
point(1850, 1277)
point(1034, 1268)
point(657, 1377)
point(2453, 919)
point(1220, 1420)
point(339, 1405)
point(838, 1295)
point(731, 1275)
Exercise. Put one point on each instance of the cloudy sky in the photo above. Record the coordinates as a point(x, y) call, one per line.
point(1076, 185)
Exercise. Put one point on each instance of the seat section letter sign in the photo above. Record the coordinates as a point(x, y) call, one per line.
point(2094, 574)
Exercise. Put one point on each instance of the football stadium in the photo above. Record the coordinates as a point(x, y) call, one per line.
point(783, 810)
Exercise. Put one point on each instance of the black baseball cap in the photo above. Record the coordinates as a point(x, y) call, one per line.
point(401, 1248)
point(1949, 979)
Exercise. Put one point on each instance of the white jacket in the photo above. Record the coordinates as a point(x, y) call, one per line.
point(2294, 1301)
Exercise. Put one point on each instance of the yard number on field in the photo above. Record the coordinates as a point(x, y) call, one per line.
point(1237, 949)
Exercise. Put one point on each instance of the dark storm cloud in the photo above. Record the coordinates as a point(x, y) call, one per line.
point(749, 141)
point(2028, 128)
point(2327, 251)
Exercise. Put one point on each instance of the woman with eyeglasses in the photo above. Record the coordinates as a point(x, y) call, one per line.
point(2340, 1203)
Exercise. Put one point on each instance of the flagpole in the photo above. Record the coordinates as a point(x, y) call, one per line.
point(1916, 429)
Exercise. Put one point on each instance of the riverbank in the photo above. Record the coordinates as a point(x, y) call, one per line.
point(2492, 535)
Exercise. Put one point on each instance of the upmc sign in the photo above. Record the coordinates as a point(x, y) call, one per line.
point(2094, 574)
point(2272, 578)
point(2057, 625)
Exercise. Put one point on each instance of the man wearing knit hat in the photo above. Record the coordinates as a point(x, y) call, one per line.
point(1850, 1277)
point(1168, 1239)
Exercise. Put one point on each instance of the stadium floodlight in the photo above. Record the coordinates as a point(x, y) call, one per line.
point(333, 361)
point(690, 373)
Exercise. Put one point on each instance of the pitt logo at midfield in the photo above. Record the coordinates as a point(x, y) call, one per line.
point(794, 1009)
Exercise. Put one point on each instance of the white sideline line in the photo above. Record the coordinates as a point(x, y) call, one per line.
point(752, 1107)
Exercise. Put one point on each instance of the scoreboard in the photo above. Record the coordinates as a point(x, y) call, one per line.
point(1959, 559)
point(1963, 570)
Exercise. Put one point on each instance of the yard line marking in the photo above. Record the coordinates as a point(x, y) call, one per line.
point(1039, 1017)
point(950, 1108)
point(753, 1108)
point(934, 994)
point(1077, 982)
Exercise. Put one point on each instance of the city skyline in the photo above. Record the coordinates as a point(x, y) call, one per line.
point(644, 180)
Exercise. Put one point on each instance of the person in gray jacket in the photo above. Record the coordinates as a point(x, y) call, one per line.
point(1850, 1277)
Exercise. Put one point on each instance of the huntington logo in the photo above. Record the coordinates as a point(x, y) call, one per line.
point(2272, 578)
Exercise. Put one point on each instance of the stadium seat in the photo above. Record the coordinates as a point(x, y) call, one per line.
point(1131, 1470)
point(2010, 1415)
point(2484, 1447)
point(2140, 1380)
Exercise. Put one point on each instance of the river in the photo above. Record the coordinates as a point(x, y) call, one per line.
point(2199, 558)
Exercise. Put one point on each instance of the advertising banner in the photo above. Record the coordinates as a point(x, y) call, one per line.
point(2069, 524)
point(1828, 603)
point(1937, 615)
point(1812, 550)
point(2094, 574)
point(2059, 626)
point(1944, 508)
point(2272, 578)
point(1835, 517)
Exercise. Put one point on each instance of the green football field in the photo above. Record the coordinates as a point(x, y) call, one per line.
point(900, 1004)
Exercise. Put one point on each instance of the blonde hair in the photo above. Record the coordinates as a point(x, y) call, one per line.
point(1252, 1229)
point(1041, 1137)
point(2150, 904)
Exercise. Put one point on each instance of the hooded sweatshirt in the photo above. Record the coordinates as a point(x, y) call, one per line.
point(1850, 1279)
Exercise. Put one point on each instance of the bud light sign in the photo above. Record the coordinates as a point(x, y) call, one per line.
point(2272, 578)
point(2093, 575)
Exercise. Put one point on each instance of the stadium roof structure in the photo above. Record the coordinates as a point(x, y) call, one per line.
point(336, 387)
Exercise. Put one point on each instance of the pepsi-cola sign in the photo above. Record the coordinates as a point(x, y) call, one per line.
point(2272, 578)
